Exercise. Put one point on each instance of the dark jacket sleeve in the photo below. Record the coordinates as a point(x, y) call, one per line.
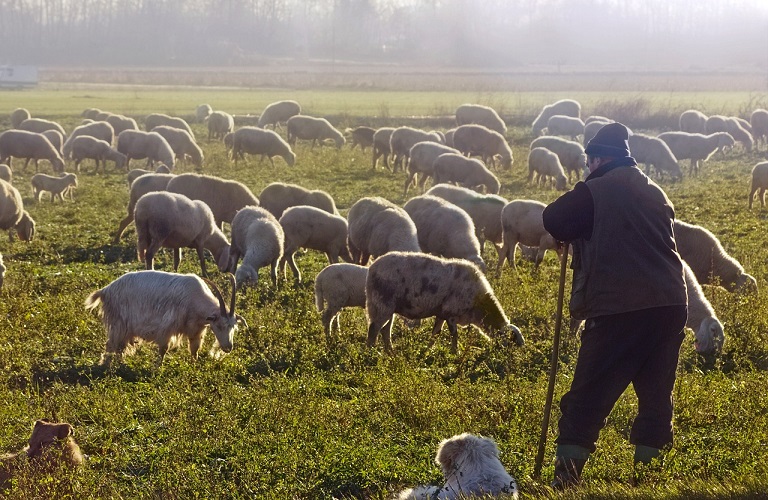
point(572, 215)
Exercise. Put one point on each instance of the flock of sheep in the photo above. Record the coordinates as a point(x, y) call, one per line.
point(427, 254)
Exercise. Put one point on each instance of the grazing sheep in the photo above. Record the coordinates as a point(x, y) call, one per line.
point(565, 125)
point(279, 196)
point(739, 133)
point(362, 136)
point(590, 130)
point(381, 146)
point(87, 147)
point(655, 153)
point(163, 308)
point(138, 172)
point(596, 118)
point(480, 115)
point(121, 123)
point(418, 286)
point(137, 145)
point(570, 153)
point(258, 237)
point(6, 173)
point(696, 147)
point(182, 143)
point(55, 137)
point(39, 125)
point(98, 130)
point(545, 165)
point(759, 182)
point(155, 120)
point(759, 122)
point(476, 139)
point(338, 286)
point(30, 146)
point(18, 115)
point(224, 197)
point(90, 113)
point(278, 112)
point(310, 227)
point(403, 139)
point(174, 221)
point(57, 186)
point(313, 129)
point(467, 172)
point(708, 259)
point(564, 107)
point(702, 319)
point(422, 160)
point(693, 122)
point(142, 185)
point(12, 213)
point(444, 229)
point(266, 143)
point(378, 226)
point(202, 112)
point(522, 223)
point(220, 124)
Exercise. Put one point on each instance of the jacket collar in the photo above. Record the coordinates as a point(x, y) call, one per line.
point(627, 161)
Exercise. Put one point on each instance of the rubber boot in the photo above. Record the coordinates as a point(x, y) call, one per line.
point(569, 464)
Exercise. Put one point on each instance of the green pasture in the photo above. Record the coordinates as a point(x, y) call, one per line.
point(286, 415)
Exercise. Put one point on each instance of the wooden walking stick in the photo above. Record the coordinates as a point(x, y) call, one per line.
point(553, 364)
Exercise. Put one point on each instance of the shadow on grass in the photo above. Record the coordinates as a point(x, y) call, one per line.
point(105, 254)
point(71, 372)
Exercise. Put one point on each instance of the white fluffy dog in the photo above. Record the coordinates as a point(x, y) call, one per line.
point(471, 466)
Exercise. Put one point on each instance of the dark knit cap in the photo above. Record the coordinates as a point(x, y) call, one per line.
point(610, 141)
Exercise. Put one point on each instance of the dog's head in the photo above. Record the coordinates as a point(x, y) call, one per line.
point(45, 434)
point(457, 452)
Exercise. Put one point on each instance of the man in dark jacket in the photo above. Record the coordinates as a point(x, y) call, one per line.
point(628, 285)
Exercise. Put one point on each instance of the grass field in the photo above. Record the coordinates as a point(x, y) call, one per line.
point(287, 416)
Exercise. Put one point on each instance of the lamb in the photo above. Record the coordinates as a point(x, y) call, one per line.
point(480, 115)
point(570, 153)
point(162, 308)
point(56, 139)
point(224, 197)
point(696, 147)
point(378, 226)
point(279, 196)
point(444, 229)
point(564, 107)
point(310, 227)
point(702, 319)
point(98, 130)
point(693, 122)
point(313, 129)
point(121, 123)
point(422, 159)
point(759, 182)
point(759, 122)
point(31, 146)
point(419, 286)
point(182, 143)
point(565, 125)
point(57, 186)
point(12, 213)
point(142, 185)
point(338, 286)
point(172, 220)
point(381, 146)
point(138, 172)
point(403, 139)
point(522, 223)
point(362, 136)
point(258, 237)
point(202, 112)
point(138, 145)
point(220, 124)
point(546, 165)
point(87, 147)
point(467, 172)
point(18, 115)
point(262, 142)
point(476, 139)
point(278, 112)
point(40, 125)
point(154, 120)
point(6, 173)
point(708, 259)
point(654, 152)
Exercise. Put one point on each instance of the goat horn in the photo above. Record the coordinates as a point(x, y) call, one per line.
point(232, 282)
point(217, 293)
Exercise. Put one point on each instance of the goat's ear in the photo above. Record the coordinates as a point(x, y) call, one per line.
point(241, 319)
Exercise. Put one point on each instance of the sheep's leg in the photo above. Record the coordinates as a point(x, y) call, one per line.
point(201, 256)
point(386, 335)
point(373, 331)
point(161, 350)
point(408, 182)
point(454, 335)
point(376, 155)
point(328, 315)
point(502, 257)
point(435, 331)
point(762, 197)
point(273, 273)
point(176, 259)
point(752, 196)
point(151, 249)
point(294, 268)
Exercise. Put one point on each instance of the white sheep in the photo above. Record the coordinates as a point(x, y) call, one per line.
point(362, 136)
point(418, 286)
point(163, 308)
point(381, 147)
point(522, 223)
point(480, 115)
point(693, 122)
point(224, 197)
point(707, 328)
point(182, 143)
point(570, 153)
point(266, 143)
point(18, 115)
point(220, 123)
point(279, 196)
point(479, 140)
point(313, 129)
point(142, 185)
point(6, 173)
point(378, 226)
point(565, 125)
point(137, 145)
point(759, 182)
point(739, 132)
point(696, 147)
point(40, 125)
point(138, 172)
point(421, 162)
point(444, 229)
point(154, 120)
point(87, 147)
point(654, 152)
point(566, 107)
point(338, 286)
point(172, 220)
point(120, 123)
point(258, 238)
point(30, 146)
point(12, 213)
point(202, 112)
point(467, 172)
point(403, 139)
point(545, 165)
point(596, 118)
point(59, 187)
point(90, 113)
point(57, 140)
point(708, 259)
point(310, 227)
point(759, 121)
point(278, 112)
point(98, 130)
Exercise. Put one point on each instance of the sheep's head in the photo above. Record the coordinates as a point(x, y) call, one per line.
point(512, 332)
point(561, 183)
point(58, 164)
point(26, 227)
point(709, 337)
point(224, 322)
point(290, 158)
point(246, 275)
point(746, 283)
